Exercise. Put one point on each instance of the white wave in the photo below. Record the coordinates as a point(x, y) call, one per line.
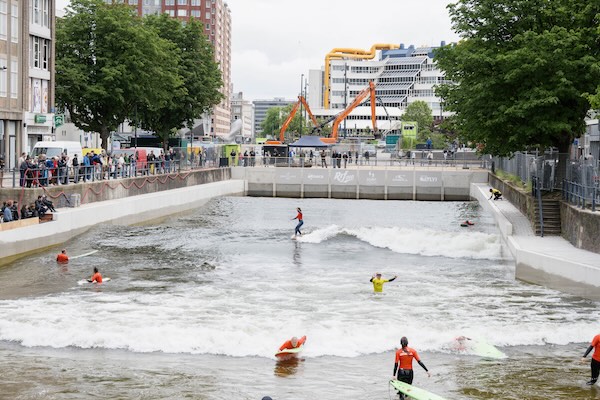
point(214, 325)
point(426, 242)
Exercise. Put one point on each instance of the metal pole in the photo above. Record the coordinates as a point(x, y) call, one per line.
point(345, 93)
point(301, 94)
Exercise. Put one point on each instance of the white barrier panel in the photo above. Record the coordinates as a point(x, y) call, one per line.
point(400, 178)
point(428, 179)
point(371, 178)
point(288, 176)
point(346, 178)
point(316, 177)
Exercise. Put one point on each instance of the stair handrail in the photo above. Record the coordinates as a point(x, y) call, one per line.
point(537, 192)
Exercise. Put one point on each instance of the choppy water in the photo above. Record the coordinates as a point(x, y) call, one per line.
point(198, 304)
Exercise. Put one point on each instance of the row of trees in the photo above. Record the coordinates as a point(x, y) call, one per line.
point(113, 66)
point(525, 73)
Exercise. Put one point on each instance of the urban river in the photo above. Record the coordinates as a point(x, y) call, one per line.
point(199, 302)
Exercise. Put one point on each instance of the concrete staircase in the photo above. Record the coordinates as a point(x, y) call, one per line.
point(551, 213)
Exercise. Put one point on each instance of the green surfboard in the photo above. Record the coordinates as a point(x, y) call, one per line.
point(414, 392)
point(486, 350)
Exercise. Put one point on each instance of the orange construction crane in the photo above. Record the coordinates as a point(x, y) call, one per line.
point(368, 91)
point(289, 119)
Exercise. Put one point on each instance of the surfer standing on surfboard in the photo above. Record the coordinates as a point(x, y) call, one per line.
point(300, 222)
point(403, 362)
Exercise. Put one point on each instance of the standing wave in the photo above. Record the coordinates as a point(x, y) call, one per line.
point(426, 242)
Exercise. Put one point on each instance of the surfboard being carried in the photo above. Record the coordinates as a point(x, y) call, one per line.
point(414, 392)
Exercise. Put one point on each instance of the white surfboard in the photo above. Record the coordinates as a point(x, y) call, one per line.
point(85, 281)
point(84, 255)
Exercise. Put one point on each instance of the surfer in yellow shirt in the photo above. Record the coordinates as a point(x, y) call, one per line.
point(378, 282)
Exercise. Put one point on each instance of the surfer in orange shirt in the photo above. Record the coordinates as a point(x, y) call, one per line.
point(97, 277)
point(293, 343)
point(62, 257)
point(403, 363)
point(595, 365)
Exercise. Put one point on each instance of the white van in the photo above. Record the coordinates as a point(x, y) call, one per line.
point(55, 149)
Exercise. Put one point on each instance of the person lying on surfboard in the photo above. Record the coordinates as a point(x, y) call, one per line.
point(293, 343)
point(378, 282)
point(300, 222)
point(403, 363)
point(62, 257)
point(97, 277)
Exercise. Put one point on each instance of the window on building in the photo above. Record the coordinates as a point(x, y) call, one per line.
point(196, 2)
point(169, 2)
point(3, 78)
point(171, 13)
point(133, 2)
point(14, 23)
point(45, 54)
point(195, 13)
point(45, 13)
point(182, 13)
point(14, 79)
point(35, 52)
point(3, 19)
point(182, 2)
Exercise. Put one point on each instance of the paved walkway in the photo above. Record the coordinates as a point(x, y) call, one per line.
point(555, 246)
point(550, 261)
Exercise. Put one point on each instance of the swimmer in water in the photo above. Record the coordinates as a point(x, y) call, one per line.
point(378, 282)
point(62, 257)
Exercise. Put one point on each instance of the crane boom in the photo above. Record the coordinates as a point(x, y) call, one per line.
point(290, 117)
point(370, 90)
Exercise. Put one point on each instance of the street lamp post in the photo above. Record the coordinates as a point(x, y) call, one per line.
point(301, 94)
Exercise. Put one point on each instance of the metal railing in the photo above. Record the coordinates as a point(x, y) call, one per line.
point(536, 192)
point(580, 195)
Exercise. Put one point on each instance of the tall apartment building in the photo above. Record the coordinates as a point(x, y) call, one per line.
point(260, 111)
point(26, 75)
point(402, 76)
point(216, 17)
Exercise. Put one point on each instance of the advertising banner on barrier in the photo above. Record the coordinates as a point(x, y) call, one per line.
point(345, 177)
point(372, 178)
point(400, 178)
point(428, 179)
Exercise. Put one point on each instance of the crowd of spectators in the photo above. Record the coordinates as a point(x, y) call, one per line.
point(10, 209)
point(61, 170)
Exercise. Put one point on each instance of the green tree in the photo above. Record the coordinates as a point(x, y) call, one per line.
point(420, 112)
point(276, 117)
point(196, 69)
point(107, 62)
point(521, 71)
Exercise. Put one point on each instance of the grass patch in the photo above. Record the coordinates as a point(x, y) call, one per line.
point(513, 179)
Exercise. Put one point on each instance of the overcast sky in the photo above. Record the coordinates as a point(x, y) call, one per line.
point(274, 42)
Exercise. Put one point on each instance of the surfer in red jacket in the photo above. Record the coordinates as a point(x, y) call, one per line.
point(300, 222)
point(403, 363)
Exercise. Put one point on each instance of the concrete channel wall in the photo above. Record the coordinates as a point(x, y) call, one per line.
point(432, 184)
point(70, 222)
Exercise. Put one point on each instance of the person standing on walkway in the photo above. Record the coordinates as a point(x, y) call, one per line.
point(378, 282)
point(300, 222)
point(323, 161)
point(403, 370)
point(595, 364)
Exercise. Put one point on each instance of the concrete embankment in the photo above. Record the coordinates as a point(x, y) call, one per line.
point(70, 222)
point(548, 261)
